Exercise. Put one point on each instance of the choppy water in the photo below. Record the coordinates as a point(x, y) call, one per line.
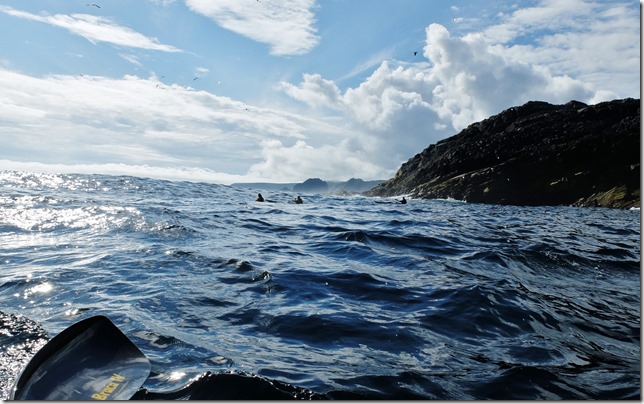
point(340, 297)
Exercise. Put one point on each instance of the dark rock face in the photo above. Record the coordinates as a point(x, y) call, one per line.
point(354, 184)
point(312, 185)
point(535, 154)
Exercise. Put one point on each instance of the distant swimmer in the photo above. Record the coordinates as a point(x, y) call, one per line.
point(403, 200)
point(260, 198)
point(298, 200)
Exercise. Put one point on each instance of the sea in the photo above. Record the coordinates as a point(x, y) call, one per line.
point(341, 297)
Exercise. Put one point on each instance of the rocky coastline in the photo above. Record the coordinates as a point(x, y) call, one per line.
point(537, 154)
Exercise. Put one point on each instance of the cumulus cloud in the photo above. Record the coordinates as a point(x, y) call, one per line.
point(95, 29)
point(286, 26)
point(402, 108)
point(364, 131)
point(475, 80)
point(314, 90)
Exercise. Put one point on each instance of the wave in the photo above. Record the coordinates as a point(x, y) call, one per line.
point(340, 298)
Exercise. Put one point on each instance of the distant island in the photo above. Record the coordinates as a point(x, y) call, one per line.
point(316, 186)
point(533, 155)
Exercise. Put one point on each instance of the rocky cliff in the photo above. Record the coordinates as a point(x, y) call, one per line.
point(535, 154)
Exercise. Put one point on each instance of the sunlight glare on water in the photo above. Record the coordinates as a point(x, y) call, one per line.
point(432, 299)
point(42, 288)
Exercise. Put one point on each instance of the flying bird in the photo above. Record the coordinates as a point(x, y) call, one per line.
point(415, 53)
point(94, 5)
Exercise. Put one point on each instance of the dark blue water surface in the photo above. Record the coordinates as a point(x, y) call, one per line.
point(340, 297)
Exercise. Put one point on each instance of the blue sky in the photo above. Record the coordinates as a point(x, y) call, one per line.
point(269, 90)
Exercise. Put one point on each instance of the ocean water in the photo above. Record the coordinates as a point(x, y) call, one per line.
point(340, 297)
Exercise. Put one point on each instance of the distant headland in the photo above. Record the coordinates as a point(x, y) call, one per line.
point(533, 155)
point(316, 185)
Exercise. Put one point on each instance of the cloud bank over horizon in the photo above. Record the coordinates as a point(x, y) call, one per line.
point(315, 127)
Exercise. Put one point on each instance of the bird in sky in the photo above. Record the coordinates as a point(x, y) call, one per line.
point(415, 53)
point(94, 5)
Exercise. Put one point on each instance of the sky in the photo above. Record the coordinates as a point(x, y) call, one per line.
point(228, 91)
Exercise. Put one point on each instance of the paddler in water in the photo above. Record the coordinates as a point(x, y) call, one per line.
point(260, 198)
point(298, 200)
point(403, 200)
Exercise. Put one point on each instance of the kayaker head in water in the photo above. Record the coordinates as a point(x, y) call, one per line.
point(298, 200)
point(260, 198)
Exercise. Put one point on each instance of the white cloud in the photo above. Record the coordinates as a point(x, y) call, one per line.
point(476, 80)
point(314, 90)
point(302, 161)
point(364, 131)
point(158, 129)
point(594, 42)
point(201, 72)
point(287, 26)
point(95, 29)
point(132, 59)
point(133, 121)
point(402, 108)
